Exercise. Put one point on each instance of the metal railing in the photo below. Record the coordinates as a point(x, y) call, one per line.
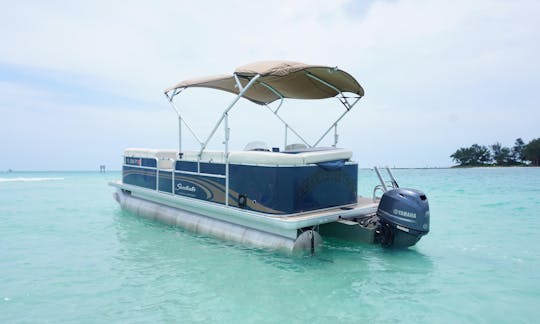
point(384, 184)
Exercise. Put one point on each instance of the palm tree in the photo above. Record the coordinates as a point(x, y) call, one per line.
point(531, 152)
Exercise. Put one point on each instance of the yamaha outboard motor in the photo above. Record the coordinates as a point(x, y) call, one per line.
point(404, 217)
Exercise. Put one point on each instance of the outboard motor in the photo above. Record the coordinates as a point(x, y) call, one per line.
point(404, 217)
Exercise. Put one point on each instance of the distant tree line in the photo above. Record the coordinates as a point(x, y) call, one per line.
point(496, 154)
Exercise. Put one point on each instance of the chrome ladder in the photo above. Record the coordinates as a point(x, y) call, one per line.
point(384, 184)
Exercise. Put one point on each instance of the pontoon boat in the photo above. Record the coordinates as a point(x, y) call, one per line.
point(288, 197)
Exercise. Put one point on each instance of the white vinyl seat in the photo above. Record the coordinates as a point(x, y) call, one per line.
point(208, 156)
point(167, 157)
point(277, 158)
point(140, 152)
point(262, 157)
point(295, 146)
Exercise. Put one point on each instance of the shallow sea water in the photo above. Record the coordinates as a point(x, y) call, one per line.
point(69, 254)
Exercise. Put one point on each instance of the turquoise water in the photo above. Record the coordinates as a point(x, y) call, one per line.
point(69, 254)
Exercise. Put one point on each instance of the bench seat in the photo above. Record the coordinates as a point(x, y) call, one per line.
point(166, 157)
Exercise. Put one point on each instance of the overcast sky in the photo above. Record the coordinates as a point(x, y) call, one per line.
point(81, 81)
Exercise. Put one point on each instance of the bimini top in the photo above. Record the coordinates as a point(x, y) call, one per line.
point(280, 79)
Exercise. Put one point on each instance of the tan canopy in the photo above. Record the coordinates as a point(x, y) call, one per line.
point(288, 79)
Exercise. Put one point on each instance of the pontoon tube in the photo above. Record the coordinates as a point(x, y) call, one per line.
point(306, 241)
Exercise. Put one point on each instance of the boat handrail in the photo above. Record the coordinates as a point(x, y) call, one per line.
point(377, 188)
point(384, 185)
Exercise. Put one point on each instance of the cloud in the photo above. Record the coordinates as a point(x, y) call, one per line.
point(120, 42)
point(424, 64)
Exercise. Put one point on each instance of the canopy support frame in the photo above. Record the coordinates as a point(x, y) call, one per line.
point(343, 99)
point(334, 125)
point(275, 112)
point(287, 127)
point(242, 89)
point(231, 105)
point(181, 120)
point(225, 119)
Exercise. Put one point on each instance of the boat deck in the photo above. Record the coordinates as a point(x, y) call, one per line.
point(365, 206)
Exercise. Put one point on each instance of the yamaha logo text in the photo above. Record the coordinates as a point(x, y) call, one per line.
point(404, 213)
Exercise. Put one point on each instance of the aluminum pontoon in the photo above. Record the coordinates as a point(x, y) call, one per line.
point(286, 198)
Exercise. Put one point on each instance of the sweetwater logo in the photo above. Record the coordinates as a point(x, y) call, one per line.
point(181, 187)
point(404, 213)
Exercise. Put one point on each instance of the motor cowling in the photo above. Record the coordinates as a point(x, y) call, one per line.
point(404, 217)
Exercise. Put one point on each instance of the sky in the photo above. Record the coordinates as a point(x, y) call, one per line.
point(81, 81)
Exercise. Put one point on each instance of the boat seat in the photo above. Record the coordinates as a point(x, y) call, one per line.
point(257, 146)
point(277, 158)
point(295, 146)
point(207, 156)
point(260, 157)
point(140, 152)
point(166, 158)
point(327, 155)
point(167, 154)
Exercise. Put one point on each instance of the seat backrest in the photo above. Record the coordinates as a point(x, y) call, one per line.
point(140, 152)
point(166, 157)
point(256, 146)
point(261, 157)
point(277, 158)
point(295, 146)
point(207, 156)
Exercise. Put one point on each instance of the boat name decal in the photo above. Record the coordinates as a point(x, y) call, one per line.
point(133, 161)
point(404, 213)
point(315, 180)
point(179, 186)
